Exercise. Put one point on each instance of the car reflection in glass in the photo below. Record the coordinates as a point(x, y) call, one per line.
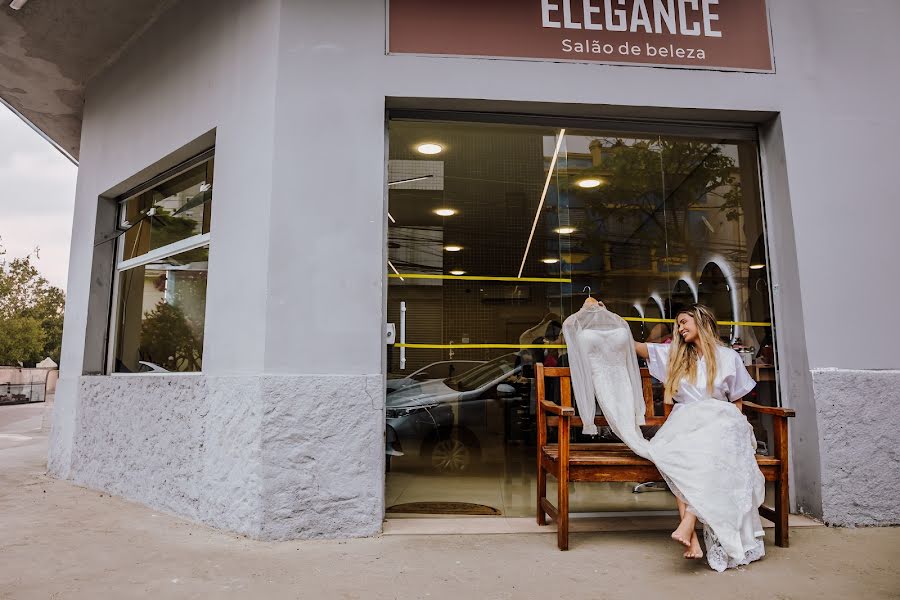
point(455, 423)
point(436, 370)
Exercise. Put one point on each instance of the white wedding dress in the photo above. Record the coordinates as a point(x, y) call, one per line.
point(705, 450)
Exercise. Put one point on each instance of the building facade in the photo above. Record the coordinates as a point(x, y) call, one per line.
point(225, 358)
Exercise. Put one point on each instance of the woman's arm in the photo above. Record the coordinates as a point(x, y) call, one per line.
point(641, 349)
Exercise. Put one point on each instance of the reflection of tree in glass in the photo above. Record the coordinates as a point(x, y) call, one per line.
point(168, 340)
point(652, 185)
point(168, 229)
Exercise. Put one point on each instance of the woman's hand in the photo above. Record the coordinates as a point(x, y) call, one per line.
point(641, 349)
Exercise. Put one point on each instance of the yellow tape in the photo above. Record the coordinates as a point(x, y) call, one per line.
point(744, 323)
point(559, 346)
point(468, 346)
point(478, 278)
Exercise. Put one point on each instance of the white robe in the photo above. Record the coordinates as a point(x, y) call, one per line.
point(705, 450)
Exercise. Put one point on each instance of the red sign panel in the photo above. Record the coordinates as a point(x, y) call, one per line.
point(704, 34)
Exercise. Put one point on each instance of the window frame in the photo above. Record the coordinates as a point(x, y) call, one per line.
point(120, 265)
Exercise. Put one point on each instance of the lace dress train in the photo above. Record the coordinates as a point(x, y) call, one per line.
point(706, 453)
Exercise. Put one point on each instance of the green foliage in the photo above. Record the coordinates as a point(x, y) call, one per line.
point(683, 173)
point(168, 229)
point(21, 340)
point(31, 313)
point(168, 340)
point(653, 186)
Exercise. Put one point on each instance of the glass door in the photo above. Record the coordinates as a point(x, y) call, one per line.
point(495, 232)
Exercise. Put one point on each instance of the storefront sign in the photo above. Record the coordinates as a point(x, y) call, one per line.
point(704, 34)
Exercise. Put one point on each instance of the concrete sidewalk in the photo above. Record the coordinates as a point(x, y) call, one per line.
point(62, 541)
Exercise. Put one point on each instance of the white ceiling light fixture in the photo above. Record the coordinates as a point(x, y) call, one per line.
point(429, 148)
point(549, 261)
point(564, 230)
point(452, 248)
point(17, 4)
point(410, 180)
point(457, 273)
point(589, 182)
point(758, 266)
point(537, 213)
point(445, 212)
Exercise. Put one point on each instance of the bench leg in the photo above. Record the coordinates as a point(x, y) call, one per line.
point(782, 508)
point(562, 505)
point(541, 494)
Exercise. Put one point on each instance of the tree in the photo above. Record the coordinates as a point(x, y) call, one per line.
point(31, 313)
point(21, 340)
point(167, 339)
point(653, 186)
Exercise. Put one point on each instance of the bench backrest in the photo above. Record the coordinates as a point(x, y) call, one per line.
point(542, 374)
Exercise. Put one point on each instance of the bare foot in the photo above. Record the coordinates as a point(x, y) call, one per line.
point(694, 551)
point(685, 531)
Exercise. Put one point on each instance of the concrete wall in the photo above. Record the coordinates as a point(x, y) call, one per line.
point(178, 442)
point(296, 90)
point(215, 70)
point(251, 454)
point(860, 445)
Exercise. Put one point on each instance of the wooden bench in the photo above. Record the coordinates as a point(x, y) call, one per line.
point(569, 462)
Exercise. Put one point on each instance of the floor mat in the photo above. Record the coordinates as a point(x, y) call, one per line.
point(444, 508)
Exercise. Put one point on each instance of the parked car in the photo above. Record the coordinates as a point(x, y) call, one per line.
point(448, 423)
point(436, 370)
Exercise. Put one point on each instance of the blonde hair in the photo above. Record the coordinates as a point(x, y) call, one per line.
point(683, 357)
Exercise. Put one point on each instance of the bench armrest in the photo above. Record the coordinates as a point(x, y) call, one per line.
point(555, 409)
point(769, 410)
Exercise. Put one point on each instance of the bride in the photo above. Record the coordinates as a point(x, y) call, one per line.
point(705, 450)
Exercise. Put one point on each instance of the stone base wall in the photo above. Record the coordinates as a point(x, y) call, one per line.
point(858, 416)
point(271, 457)
point(282, 457)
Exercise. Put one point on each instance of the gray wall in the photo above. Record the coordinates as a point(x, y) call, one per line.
point(296, 92)
point(158, 98)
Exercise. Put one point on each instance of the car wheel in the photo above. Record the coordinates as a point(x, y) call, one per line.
point(453, 454)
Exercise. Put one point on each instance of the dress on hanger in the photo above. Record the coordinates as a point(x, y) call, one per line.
point(706, 450)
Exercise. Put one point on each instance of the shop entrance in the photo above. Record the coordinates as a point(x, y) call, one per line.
point(494, 232)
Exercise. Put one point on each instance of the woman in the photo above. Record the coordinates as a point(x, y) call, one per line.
point(706, 448)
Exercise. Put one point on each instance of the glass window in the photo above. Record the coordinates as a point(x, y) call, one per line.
point(161, 275)
point(494, 233)
point(172, 211)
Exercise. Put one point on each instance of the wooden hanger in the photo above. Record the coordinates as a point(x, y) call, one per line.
point(590, 300)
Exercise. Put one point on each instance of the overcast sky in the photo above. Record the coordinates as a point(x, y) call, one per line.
point(37, 194)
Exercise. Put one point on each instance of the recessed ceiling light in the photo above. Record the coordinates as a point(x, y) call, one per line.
point(589, 182)
point(758, 266)
point(549, 261)
point(429, 148)
point(445, 212)
point(457, 273)
point(452, 248)
point(564, 230)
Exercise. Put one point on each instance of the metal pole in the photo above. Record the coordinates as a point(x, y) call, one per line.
point(402, 335)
